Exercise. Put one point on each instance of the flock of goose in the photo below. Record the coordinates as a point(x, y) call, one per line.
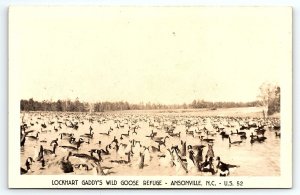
point(105, 143)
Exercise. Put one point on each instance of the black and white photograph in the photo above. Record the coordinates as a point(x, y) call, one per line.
point(150, 97)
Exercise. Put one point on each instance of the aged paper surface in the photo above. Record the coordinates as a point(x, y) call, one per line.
point(150, 97)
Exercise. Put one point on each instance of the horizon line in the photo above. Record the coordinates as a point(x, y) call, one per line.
point(140, 102)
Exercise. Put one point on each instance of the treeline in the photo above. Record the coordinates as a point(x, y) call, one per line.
point(214, 105)
point(78, 106)
point(59, 106)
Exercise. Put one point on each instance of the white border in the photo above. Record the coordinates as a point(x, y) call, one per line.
point(4, 53)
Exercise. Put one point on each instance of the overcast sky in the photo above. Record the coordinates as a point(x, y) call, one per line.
point(162, 55)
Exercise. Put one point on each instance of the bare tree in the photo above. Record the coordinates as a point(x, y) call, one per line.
point(269, 97)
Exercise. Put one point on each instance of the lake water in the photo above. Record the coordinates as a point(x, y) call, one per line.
point(258, 159)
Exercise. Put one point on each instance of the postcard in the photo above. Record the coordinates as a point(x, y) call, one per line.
point(150, 97)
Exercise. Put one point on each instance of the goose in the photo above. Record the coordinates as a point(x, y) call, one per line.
point(234, 142)
point(253, 138)
point(88, 141)
point(51, 152)
point(208, 140)
point(28, 162)
point(240, 132)
point(191, 154)
point(40, 153)
point(259, 139)
point(74, 142)
point(106, 151)
point(160, 142)
point(210, 151)
point(276, 127)
point(179, 164)
point(175, 134)
point(121, 149)
point(199, 156)
point(244, 127)
point(260, 131)
point(101, 170)
point(190, 133)
point(224, 135)
point(124, 134)
point(224, 168)
point(123, 161)
point(106, 134)
point(23, 137)
point(219, 129)
point(88, 135)
point(175, 148)
point(169, 130)
point(23, 130)
point(44, 126)
point(156, 149)
point(66, 135)
point(210, 133)
point(81, 166)
point(134, 131)
point(197, 131)
point(89, 157)
point(78, 144)
point(141, 160)
point(69, 126)
point(207, 165)
point(134, 128)
point(54, 142)
point(134, 142)
point(115, 146)
point(127, 148)
point(44, 140)
point(183, 148)
point(157, 138)
point(74, 125)
point(66, 165)
point(44, 131)
point(243, 136)
point(97, 151)
point(152, 135)
point(115, 140)
point(136, 148)
point(34, 137)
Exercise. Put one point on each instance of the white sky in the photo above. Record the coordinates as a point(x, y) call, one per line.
point(165, 55)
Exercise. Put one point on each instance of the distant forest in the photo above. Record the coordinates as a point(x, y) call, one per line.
point(269, 97)
point(78, 106)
